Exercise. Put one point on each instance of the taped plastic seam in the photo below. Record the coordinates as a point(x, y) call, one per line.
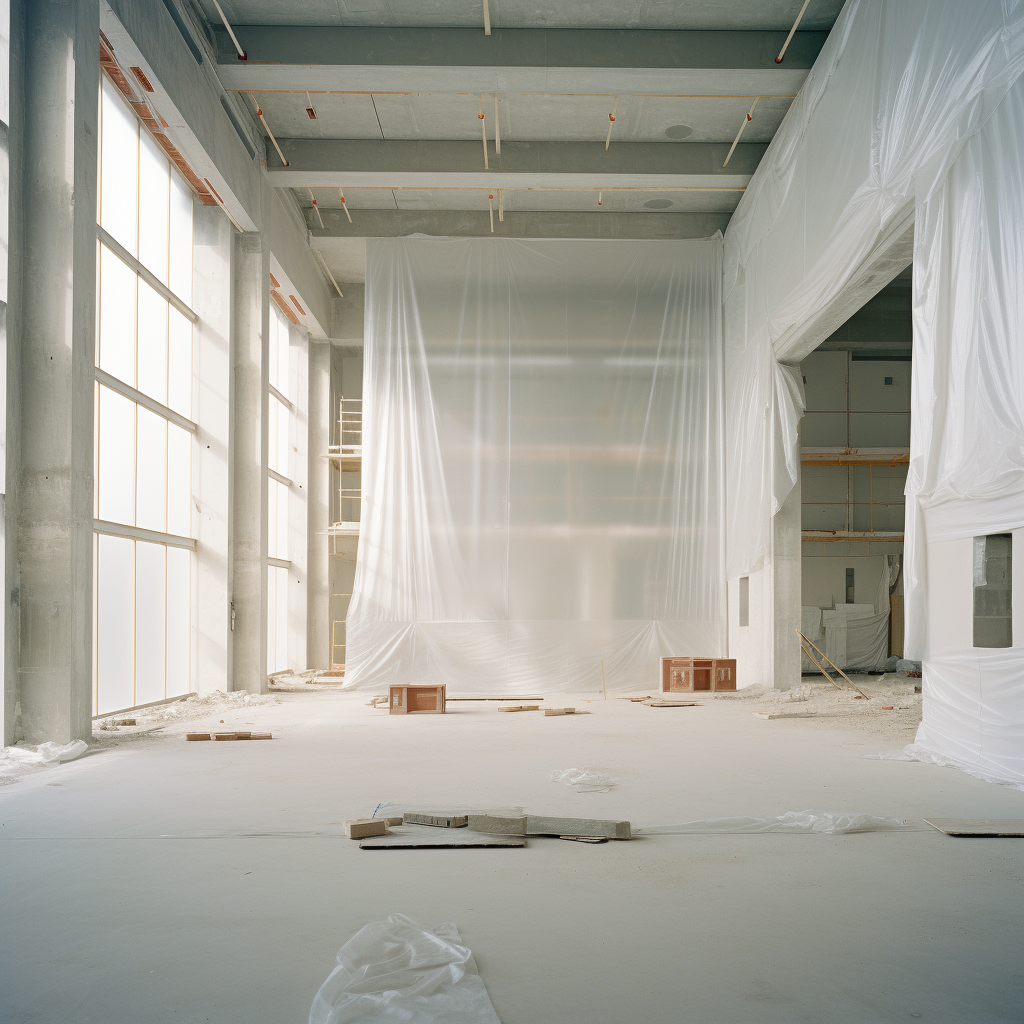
point(828, 199)
point(542, 463)
point(397, 970)
point(826, 823)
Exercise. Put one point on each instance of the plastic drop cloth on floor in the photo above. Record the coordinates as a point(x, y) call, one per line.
point(826, 823)
point(397, 970)
point(586, 780)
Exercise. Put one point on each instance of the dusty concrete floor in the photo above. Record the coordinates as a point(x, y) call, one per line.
point(105, 920)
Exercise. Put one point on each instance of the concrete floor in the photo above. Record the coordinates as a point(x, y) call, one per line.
point(105, 921)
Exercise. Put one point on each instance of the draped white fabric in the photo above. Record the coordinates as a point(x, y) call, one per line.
point(898, 88)
point(542, 463)
point(966, 474)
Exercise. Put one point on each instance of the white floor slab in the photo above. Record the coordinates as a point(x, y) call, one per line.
point(105, 920)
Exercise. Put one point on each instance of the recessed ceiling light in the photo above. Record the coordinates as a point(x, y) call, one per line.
point(658, 204)
point(678, 131)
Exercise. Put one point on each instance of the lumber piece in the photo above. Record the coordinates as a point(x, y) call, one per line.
point(672, 703)
point(496, 824)
point(537, 825)
point(363, 828)
point(435, 820)
point(124, 721)
point(585, 839)
point(835, 666)
point(412, 836)
point(392, 821)
point(1004, 827)
point(518, 697)
point(192, 737)
point(522, 707)
point(225, 736)
point(560, 711)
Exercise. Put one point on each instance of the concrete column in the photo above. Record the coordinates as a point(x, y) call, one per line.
point(318, 589)
point(212, 372)
point(250, 344)
point(58, 325)
point(298, 498)
point(787, 585)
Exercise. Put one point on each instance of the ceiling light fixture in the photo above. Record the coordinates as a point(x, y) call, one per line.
point(242, 55)
point(611, 121)
point(785, 45)
point(678, 132)
point(749, 117)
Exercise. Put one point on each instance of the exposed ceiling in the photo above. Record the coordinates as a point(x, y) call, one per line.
point(397, 88)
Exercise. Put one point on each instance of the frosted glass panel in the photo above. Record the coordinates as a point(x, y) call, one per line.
point(179, 481)
point(116, 349)
point(179, 591)
point(277, 519)
point(279, 351)
point(179, 384)
point(277, 619)
point(151, 500)
point(119, 176)
point(150, 613)
point(154, 185)
point(115, 603)
point(152, 352)
point(278, 437)
point(116, 442)
point(181, 239)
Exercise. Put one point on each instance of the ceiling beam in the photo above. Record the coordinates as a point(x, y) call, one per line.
point(471, 223)
point(349, 164)
point(601, 61)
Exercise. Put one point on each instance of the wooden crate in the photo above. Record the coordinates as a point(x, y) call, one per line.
point(696, 675)
point(417, 700)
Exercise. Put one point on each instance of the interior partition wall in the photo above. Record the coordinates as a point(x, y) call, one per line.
point(143, 532)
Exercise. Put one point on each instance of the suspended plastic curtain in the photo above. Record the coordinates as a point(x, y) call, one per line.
point(967, 436)
point(542, 462)
point(898, 88)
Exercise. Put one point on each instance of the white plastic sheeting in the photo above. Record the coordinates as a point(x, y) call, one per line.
point(541, 466)
point(399, 971)
point(966, 475)
point(826, 823)
point(898, 88)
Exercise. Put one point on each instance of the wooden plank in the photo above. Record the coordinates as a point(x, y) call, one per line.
point(522, 707)
point(1005, 827)
point(672, 703)
point(419, 836)
point(450, 699)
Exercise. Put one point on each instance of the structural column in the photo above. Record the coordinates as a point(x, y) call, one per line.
point(250, 395)
point(318, 593)
point(57, 338)
point(787, 587)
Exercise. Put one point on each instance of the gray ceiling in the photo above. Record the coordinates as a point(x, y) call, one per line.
point(394, 89)
point(776, 15)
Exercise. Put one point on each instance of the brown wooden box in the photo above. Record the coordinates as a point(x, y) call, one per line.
point(695, 675)
point(417, 700)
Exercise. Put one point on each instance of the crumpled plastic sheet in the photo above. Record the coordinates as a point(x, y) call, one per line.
point(397, 970)
point(45, 753)
point(586, 780)
point(824, 823)
point(915, 752)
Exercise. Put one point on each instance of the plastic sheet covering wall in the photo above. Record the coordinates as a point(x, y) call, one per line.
point(542, 462)
point(898, 88)
point(966, 475)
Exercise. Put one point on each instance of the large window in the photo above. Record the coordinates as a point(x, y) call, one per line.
point(144, 430)
point(279, 485)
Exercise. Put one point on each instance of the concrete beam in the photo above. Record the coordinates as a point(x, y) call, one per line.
point(515, 60)
point(322, 163)
point(472, 223)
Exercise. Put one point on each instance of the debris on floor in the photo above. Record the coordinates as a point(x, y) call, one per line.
point(364, 828)
point(827, 823)
point(564, 711)
point(539, 825)
point(397, 970)
point(522, 707)
point(976, 827)
point(436, 820)
point(194, 737)
point(658, 703)
point(586, 780)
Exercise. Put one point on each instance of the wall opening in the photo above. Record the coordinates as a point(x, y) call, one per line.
point(850, 589)
point(993, 593)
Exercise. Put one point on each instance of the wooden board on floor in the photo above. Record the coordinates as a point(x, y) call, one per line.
point(413, 836)
point(1006, 827)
